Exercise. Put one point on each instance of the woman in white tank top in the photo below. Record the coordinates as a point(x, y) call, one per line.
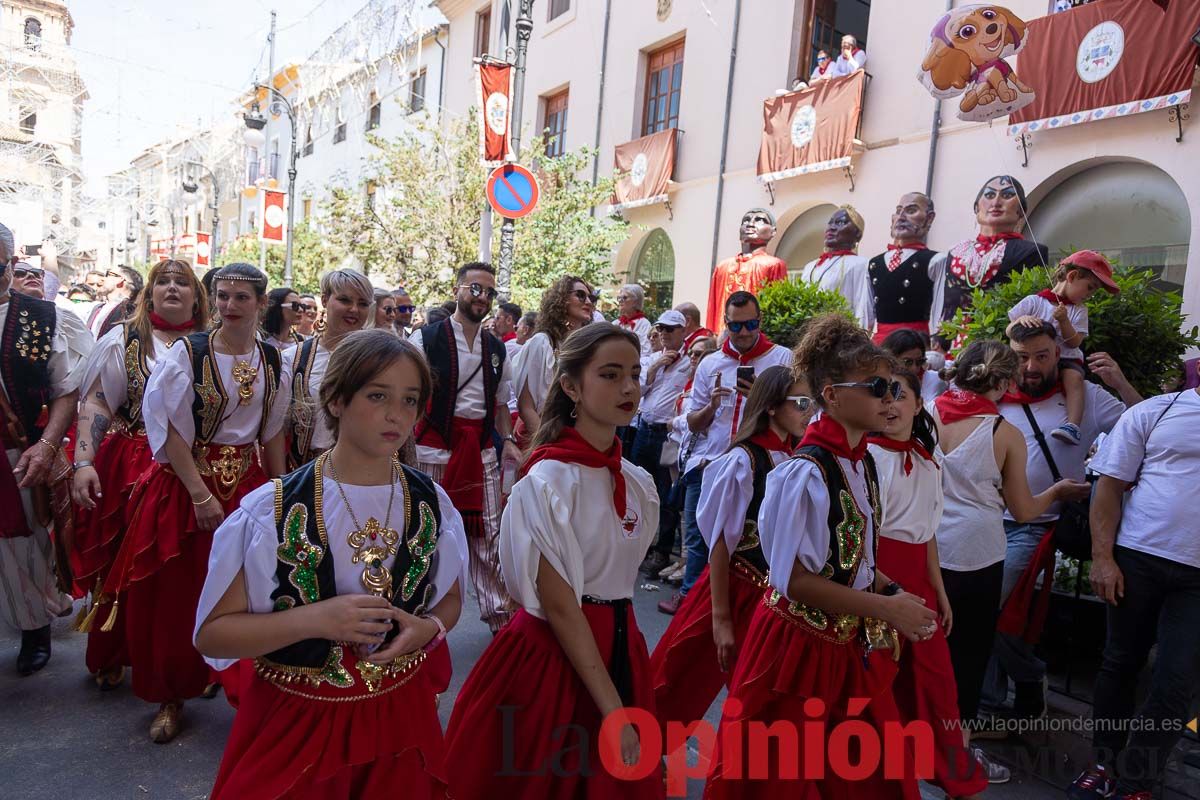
point(983, 470)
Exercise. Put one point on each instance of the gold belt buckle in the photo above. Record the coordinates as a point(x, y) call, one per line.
point(226, 470)
point(881, 636)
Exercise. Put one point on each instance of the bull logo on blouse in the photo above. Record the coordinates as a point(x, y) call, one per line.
point(630, 523)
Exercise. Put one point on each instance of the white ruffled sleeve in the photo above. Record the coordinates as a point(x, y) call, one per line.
point(247, 540)
point(168, 400)
point(69, 351)
point(451, 550)
point(537, 524)
point(725, 496)
point(535, 369)
point(282, 402)
point(106, 364)
point(793, 522)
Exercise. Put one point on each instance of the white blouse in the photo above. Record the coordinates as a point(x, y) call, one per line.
point(725, 496)
point(564, 513)
point(167, 402)
point(535, 369)
point(107, 364)
point(912, 504)
point(322, 436)
point(793, 522)
point(247, 540)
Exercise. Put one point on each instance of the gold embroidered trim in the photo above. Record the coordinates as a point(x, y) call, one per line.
point(814, 620)
point(227, 470)
point(749, 572)
point(212, 402)
point(135, 378)
point(285, 677)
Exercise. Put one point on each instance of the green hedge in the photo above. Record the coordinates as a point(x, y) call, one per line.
point(788, 305)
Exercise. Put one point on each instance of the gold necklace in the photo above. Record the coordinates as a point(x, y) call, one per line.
point(244, 372)
point(373, 544)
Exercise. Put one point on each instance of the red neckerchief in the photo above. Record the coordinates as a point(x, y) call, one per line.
point(508, 337)
point(161, 324)
point(909, 246)
point(770, 441)
point(908, 448)
point(699, 333)
point(1054, 297)
point(571, 448)
point(828, 254)
point(828, 433)
point(957, 404)
point(760, 347)
point(1017, 395)
point(632, 318)
point(984, 243)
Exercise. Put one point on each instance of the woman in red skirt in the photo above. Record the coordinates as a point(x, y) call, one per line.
point(211, 403)
point(696, 655)
point(821, 646)
point(910, 484)
point(112, 450)
point(528, 718)
point(338, 580)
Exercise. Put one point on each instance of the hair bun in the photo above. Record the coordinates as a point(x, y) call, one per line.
point(979, 371)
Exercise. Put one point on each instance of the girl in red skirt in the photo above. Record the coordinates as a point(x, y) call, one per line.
point(528, 718)
point(695, 656)
point(112, 450)
point(910, 484)
point(824, 641)
point(338, 580)
point(210, 404)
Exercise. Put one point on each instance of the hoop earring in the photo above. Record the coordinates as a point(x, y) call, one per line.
point(575, 412)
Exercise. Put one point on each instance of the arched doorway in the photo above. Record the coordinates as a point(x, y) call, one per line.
point(654, 270)
point(804, 239)
point(1132, 212)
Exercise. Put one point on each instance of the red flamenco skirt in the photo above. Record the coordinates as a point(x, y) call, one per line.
point(686, 677)
point(786, 664)
point(158, 576)
point(524, 725)
point(925, 689)
point(302, 742)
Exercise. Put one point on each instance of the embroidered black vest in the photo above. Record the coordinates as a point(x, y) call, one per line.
point(137, 372)
point(749, 550)
point(903, 295)
point(209, 400)
point(847, 522)
point(1019, 254)
point(441, 352)
point(302, 414)
point(25, 347)
point(305, 570)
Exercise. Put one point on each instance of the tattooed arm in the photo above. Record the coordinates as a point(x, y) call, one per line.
point(94, 418)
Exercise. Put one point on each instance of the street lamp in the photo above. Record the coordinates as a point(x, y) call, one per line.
point(192, 190)
point(254, 137)
point(153, 223)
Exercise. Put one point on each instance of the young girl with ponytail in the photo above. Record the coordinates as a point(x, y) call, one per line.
point(578, 523)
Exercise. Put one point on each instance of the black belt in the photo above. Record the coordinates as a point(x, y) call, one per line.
point(619, 668)
point(656, 426)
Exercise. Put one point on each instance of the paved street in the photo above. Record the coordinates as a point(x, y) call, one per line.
point(64, 739)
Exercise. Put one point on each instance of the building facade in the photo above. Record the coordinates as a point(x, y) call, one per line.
point(602, 73)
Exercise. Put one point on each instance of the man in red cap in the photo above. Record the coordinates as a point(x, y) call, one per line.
point(1078, 277)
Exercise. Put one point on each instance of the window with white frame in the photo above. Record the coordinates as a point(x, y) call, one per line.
point(339, 131)
point(374, 111)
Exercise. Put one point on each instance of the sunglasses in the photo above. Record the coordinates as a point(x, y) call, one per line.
point(26, 272)
point(584, 297)
point(822, 58)
point(803, 403)
point(737, 327)
point(658, 326)
point(298, 307)
point(877, 386)
point(405, 309)
point(479, 290)
point(389, 311)
point(914, 362)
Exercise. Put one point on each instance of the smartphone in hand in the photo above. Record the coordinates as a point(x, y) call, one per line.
point(745, 374)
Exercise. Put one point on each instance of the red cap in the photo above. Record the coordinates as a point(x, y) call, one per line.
point(1096, 264)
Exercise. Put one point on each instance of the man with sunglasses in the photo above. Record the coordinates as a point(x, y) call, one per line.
point(42, 354)
point(468, 410)
point(750, 269)
point(404, 312)
point(122, 286)
point(714, 412)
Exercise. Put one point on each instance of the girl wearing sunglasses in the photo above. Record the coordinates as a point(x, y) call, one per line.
point(283, 313)
point(828, 631)
point(696, 655)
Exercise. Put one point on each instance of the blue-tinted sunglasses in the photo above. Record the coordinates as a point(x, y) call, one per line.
point(736, 327)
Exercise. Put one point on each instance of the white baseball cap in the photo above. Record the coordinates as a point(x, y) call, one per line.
point(672, 318)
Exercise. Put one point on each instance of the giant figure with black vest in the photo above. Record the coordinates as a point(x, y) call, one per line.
point(904, 276)
point(455, 440)
point(42, 354)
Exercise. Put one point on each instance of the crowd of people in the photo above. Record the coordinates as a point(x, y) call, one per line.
point(287, 497)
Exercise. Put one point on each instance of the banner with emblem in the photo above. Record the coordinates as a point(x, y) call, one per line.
point(273, 226)
point(812, 129)
point(493, 91)
point(203, 249)
point(1104, 60)
point(643, 168)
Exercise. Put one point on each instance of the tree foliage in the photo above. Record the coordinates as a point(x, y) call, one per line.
point(787, 306)
point(311, 256)
point(1142, 327)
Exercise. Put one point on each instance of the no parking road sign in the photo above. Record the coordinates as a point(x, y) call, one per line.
point(512, 191)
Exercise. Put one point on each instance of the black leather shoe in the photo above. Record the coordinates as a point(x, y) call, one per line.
point(35, 651)
point(653, 563)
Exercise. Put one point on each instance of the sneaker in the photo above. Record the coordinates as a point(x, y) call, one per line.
point(666, 571)
point(670, 606)
point(653, 563)
point(996, 773)
point(1067, 432)
point(676, 577)
point(1093, 784)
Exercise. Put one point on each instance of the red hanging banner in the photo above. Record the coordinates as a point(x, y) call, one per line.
point(273, 225)
point(494, 89)
point(203, 249)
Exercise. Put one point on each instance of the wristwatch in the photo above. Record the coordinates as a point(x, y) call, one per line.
point(510, 438)
point(82, 464)
point(439, 638)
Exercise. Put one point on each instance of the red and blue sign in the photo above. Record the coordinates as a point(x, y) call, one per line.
point(512, 191)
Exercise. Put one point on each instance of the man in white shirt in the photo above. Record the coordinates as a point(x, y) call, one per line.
point(664, 374)
point(1146, 566)
point(468, 410)
point(1038, 393)
point(42, 354)
point(714, 412)
point(841, 269)
point(851, 58)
